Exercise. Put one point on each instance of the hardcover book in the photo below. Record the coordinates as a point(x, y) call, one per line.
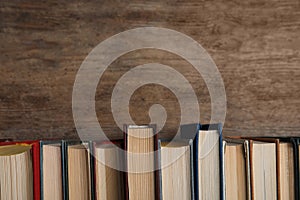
point(263, 162)
point(51, 166)
point(208, 159)
point(109, 181)
point(236, 162)
point(33, 172)
point(286, 171)
point(142, 178)
point(78, 172)
point(176, 172)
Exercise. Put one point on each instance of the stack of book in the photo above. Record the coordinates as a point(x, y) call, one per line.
point(199, 164)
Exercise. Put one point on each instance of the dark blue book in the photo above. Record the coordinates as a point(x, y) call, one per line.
point(296, 143)
point(78, 156)
point(208, 159)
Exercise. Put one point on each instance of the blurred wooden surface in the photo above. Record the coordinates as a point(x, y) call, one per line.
point(255, 44)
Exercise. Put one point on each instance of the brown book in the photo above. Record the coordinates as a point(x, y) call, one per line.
point(286, 171)
point(142, 178)
point(236, 169)
point(208, 159)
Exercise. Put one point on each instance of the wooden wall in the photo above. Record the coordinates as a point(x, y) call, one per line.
point(255, 44)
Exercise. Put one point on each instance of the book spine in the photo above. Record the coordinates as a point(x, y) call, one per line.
point(278, 168)
point(36, 170)
point(156, 164)
point(295, 142)
point(251, 169)
point(92, 169)
point(192, 169)
point(196, 166)
point(64, 170)
point(222, 187)
point(126, 189)
point(223, 169)
point(41, 170)
point(160, 171)
point(247, 158)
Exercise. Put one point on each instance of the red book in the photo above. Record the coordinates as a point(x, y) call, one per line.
point(35, 164)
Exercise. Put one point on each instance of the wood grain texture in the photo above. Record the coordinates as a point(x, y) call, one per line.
point(255, 44)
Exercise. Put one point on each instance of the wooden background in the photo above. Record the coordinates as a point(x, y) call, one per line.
point(255, 44)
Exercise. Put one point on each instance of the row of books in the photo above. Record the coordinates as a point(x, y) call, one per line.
point(199, 164)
